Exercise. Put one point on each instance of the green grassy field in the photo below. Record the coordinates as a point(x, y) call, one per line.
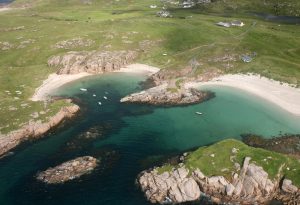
point(128, 24)
point(222, 151)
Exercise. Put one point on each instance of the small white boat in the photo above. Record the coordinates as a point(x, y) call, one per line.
point(99, 103)
point(105, 97)
point(199, 113)
point(83, 89)
point(94, 95)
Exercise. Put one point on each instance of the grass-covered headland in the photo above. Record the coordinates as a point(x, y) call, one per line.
point(218, 160)
point(28, 37)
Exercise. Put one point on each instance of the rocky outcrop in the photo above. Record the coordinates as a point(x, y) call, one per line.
point(288, 198)
point(35, 129)
point(251, 185)
point(94, 62)
point(288, 187)
point(74, 43)
point(162, 95)
point(6, 46)
point(68, 170)
point(175, 186)
point(288, 144)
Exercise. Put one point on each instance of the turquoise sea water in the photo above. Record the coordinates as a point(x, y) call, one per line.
point(5, 1)
point(129, 139)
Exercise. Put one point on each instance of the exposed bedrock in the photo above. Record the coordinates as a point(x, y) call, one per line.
point(68, 170)
point(162, 95)
point(35, 129)
point(94, 62)
point(251, 185)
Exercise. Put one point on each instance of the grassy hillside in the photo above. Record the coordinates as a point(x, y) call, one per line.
point(28, 37)
point(215, 160)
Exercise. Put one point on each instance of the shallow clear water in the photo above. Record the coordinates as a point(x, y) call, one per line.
point(136, 136)
point(5, 1)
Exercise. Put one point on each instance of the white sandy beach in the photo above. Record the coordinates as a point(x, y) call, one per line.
point(139, 68)
point(283, 95)
point(4, 9)
point(54, 81)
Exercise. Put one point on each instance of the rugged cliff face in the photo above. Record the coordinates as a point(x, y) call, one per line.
point(162, 95)
point(251, 186)
point(170, 187)
point(35, 129)
point(247, 184)
point(95, 62)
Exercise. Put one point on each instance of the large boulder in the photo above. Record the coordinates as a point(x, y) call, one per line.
point(287, 186)
point(173, 187)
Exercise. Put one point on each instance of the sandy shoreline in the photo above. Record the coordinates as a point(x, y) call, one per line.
point(280, 94)
point(5, 9)
point(54, 81)
point(283, 95)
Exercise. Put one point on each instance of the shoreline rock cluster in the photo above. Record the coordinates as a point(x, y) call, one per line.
point(94, 62)
point(288, 144)
point(162, 95)
point(251, 186)
point(35, 129)
point(68, 170)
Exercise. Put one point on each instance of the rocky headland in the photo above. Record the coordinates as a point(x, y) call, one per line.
point(165, 96)
point(35, 129)
point(93, 62)
point(68, 170)
point(247, 183)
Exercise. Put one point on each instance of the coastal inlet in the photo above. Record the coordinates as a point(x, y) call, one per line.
point(123, 136)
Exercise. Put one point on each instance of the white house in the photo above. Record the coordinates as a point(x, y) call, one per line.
point(237, 23)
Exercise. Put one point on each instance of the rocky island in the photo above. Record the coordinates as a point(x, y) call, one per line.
point(68, 170)
point(226, 172)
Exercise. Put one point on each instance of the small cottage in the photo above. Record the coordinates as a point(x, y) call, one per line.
point(224, 24)
point(237, 23)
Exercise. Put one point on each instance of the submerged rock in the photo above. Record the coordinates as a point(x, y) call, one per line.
point(68, 170)
point(162, 95)
point(94, 62)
